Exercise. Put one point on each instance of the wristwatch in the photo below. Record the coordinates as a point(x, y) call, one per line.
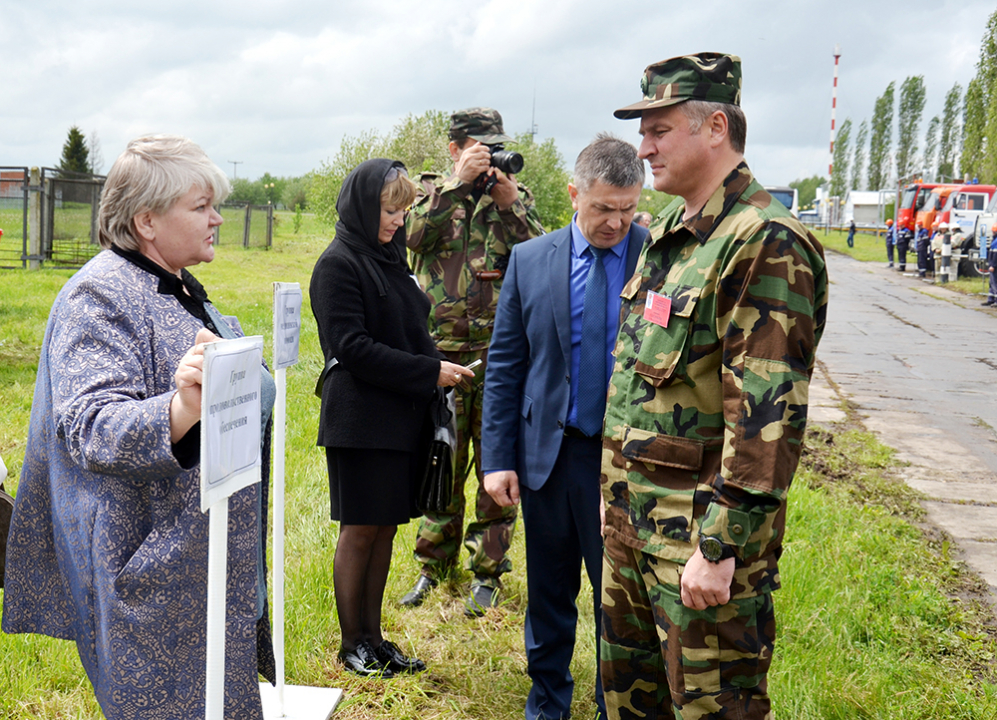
point(714, 550)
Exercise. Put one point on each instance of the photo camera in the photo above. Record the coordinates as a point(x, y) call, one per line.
point(507, 161)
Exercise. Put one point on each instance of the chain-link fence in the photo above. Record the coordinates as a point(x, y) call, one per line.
point(14, 182)
point(246, 224)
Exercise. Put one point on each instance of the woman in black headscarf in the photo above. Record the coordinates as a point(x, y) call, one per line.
point(381, 368)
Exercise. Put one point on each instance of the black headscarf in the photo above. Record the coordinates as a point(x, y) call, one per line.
point(359, 208)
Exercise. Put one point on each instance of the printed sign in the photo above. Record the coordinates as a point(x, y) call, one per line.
point(230, 417)
point(286, 324)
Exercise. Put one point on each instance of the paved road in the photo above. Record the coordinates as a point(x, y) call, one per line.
point(920, 364)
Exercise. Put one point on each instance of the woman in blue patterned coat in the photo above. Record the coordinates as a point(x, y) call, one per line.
point(108, 545)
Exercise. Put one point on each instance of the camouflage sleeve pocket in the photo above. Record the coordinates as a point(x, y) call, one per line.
point(660, 355)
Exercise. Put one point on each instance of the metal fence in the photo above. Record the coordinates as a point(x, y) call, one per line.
point(14, 183)
point(250, 225)
point(64, 206)
point(69, 217)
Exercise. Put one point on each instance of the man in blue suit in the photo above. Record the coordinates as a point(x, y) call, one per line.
point(545, 396)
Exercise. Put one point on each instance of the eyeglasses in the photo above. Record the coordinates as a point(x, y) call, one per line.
point(394, 172)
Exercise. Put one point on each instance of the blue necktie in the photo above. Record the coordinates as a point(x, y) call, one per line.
point(591, 399)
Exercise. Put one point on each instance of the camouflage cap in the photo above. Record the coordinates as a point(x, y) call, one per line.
point(478, 123)
point(709, 76)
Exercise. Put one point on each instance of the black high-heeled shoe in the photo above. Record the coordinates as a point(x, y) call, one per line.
point(393, 659)
point(365, 661)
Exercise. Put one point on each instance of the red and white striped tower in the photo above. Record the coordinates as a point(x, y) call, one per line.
point(834, 106)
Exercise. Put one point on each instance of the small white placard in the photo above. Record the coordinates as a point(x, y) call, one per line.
point(286, 324)
point(230, 418)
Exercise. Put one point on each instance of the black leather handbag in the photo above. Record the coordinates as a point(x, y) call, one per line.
point(439, 452)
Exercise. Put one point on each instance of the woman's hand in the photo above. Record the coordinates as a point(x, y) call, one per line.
point(185, 407)
point(451, 374)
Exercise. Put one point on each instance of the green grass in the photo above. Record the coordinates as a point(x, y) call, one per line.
point(868, 599)
point(232, 230)
point(869, 623)
point(11, 243)
point(869, 248)
point(969, 286)
point(12, 224)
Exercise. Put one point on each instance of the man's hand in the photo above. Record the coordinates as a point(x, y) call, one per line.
point(474, 160)
point(503, 486)
point(705, 584)
point(506, 191)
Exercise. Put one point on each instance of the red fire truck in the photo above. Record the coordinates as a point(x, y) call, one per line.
point(912, 199)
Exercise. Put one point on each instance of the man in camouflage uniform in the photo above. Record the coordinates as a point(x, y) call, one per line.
point(706, 412)
point(461, 234)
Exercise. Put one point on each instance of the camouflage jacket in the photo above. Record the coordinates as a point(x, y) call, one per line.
point(706, 416)
point(459, 251)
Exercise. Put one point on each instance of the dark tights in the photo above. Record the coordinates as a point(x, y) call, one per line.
point(363, 557)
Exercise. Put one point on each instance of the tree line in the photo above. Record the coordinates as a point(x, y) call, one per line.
point(420, 141)
point(961, 143)
point(82, 155)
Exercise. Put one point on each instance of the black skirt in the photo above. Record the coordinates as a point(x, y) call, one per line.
point(372, 487)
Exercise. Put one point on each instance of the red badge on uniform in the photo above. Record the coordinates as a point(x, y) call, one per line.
point(657, 308)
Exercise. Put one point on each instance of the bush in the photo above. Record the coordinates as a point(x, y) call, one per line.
point(421, 143)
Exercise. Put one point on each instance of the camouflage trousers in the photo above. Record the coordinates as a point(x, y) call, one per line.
point(660, 659)
point(488, 536)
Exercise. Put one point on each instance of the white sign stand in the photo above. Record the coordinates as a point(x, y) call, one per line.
point(295, 702)
point(230, 461)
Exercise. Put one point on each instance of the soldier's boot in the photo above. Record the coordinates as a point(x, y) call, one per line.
point(417, 595)
point(484, 595)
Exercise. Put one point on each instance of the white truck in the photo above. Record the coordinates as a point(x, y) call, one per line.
point(983, 233)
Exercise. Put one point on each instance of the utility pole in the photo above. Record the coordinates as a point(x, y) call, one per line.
point(235, 175)
point(832, 207)
point(834, 106)
point(533, 117)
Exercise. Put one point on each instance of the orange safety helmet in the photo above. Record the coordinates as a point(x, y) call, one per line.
point(889, 221)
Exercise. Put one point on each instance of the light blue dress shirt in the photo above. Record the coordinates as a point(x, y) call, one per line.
point(615, 262)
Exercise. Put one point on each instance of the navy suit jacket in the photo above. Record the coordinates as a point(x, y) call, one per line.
point(527, 383)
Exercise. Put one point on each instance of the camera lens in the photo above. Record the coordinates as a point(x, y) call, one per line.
point(506, 160)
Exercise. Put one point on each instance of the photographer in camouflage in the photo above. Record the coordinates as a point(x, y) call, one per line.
point(461, 230)
point(706, 413)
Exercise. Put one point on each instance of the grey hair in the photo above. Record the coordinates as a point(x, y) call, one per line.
point(151, 175)
point(609, 160)
point(697, 111)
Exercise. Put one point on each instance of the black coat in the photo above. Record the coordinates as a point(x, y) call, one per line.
point(372, 317)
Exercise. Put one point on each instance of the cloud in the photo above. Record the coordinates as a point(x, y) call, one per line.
point(278, 85)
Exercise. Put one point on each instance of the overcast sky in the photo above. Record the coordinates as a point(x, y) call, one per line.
point(277, 85)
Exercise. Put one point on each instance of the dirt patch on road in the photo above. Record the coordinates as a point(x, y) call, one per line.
point(853, 459)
